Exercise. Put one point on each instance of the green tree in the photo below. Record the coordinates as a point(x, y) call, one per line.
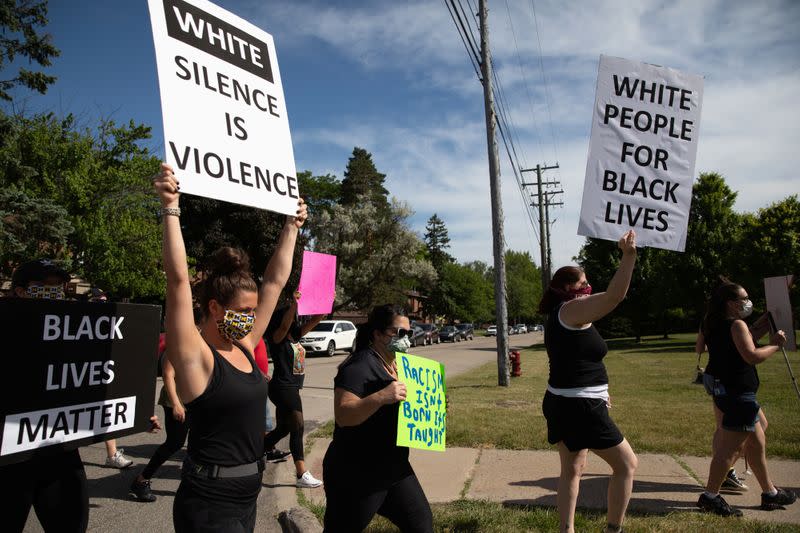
point(469, 296)
point(362, 182)
point(320, 193)
point(437, 242)
point(20, 38)
point(523, 286)
point(377, 256)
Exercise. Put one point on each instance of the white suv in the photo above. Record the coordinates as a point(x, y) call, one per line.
point(329, 336)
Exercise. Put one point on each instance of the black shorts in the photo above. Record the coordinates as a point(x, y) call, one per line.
point(286, 398)
point(580, 423)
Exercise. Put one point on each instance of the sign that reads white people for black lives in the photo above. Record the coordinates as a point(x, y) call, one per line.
point(74, 373)
point(226, 132)
point(641, 154)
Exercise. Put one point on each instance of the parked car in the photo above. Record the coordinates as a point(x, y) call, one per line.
point(431, 333)
point(450, 333)
point(467, 331)
point(538, 327)
point(329, 336)
point(521, 328)
point(418, 336)
point(491, 331)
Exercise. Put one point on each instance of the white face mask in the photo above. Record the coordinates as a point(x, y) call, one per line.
point(399, 344)
point(747, 309)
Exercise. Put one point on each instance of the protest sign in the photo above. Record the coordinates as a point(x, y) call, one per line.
point(74, 373)
point(642, 153)
point(317, 285)
point(776, 290)
point(226, 133)
point(422, 422)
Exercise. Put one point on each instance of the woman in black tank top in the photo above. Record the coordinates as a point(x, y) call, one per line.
point(217, 379)
point(575, 404)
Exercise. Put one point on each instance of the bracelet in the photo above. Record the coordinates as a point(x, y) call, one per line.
point(171, 211)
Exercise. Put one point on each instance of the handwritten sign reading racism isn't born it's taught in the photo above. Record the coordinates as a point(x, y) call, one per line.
point(422, 422)
point(226, 132)
point(641, 154)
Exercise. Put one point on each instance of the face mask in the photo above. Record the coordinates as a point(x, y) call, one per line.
point(586, 290)
point(46, 292)
point(235, 325)
point(399, 344)
point(747, 309)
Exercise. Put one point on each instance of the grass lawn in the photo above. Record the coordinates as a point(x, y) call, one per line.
point(655, 404)
point(654, 401)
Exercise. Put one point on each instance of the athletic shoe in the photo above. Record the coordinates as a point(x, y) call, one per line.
point(777, 501)
point(275, 454)
point(141, 491)
point(732, 482)
point(717, 505)
point(307, 481)
point(118, 460)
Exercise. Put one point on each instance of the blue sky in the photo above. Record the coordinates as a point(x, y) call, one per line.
point(394, 78)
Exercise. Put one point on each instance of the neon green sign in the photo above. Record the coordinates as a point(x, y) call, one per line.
point(422, 422)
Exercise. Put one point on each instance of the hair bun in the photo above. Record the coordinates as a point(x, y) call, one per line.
point(228, 260)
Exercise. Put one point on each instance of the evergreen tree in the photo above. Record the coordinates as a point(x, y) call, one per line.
point(437, 241)
point(363, 181)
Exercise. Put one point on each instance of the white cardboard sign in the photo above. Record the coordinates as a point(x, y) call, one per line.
point(226, 131)
point(642, 153)
point(776, 290)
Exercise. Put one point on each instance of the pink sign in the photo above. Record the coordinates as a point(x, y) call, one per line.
point(317, 284)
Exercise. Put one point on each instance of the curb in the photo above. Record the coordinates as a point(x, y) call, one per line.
point(299, 520)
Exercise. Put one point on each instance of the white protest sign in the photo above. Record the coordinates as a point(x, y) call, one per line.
point(226, 133)
point(642, 153)
point(776, 291)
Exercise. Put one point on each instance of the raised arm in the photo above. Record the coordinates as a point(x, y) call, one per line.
point(310, 324)
point(168, 371)
point(743, 340)
point(277, 272)
point(350, 410)
point(286, 322)
point(185, 351)
point(582, 311)
point(700, 343)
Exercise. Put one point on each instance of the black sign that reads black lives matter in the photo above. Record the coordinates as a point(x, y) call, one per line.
point(74, 373)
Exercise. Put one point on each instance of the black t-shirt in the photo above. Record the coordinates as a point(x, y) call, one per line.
point(726, 363)
point(226, 422)
point(575, 356)
point(288, 363)
point(367, 454)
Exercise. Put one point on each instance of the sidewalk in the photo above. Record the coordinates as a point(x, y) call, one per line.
point(662, 483)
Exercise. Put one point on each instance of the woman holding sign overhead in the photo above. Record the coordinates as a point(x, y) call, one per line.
point(221, 387)
point(576, 402)
point(365, 472)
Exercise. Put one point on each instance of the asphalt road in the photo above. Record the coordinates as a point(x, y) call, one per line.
point(112, 510)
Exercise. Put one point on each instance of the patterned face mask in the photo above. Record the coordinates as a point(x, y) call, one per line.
point(236, 325)
point(46, 292)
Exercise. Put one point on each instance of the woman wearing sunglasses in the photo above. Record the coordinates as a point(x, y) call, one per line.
point(365, 472)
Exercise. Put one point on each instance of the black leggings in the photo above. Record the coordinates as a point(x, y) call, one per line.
point(404, 504)
point(288, 420)
point(176, 437)
point(55, 485)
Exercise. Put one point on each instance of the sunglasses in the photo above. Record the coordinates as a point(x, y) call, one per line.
point(400, 332)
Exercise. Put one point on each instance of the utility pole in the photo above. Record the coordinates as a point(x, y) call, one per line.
point(544, 229)
point(547, 204)
point(503, 373)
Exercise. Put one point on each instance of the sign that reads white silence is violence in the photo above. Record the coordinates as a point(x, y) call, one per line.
point(226, 132)
point(642, 153)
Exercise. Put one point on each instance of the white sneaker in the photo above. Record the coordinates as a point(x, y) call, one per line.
point(307, 481)
point(118, 461)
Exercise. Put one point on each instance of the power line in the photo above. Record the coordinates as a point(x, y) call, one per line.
point(544, 80)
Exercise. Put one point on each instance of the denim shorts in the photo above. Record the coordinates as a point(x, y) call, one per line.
point(739, 411)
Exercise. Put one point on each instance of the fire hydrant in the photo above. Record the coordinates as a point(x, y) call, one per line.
point(516, 371)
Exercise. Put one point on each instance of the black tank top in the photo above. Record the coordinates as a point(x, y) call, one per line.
point(227, 421)
point(575, 356)
point(726, 363)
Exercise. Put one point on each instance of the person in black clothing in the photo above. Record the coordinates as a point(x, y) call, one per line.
point(732, 356)
point(53, 481)
point(365, 472)
point(576, 402)
point(288, 374)
point(222, 389)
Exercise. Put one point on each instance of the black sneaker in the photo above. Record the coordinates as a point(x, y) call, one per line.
point(141, 491)
point(275, 454)
point(777, 501)
point(717, 505)
point(733, 482)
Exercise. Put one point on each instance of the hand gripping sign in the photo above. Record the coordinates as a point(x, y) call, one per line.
point(641, 154)
point(74, 373)
point(422, 422)
point(226, 132)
